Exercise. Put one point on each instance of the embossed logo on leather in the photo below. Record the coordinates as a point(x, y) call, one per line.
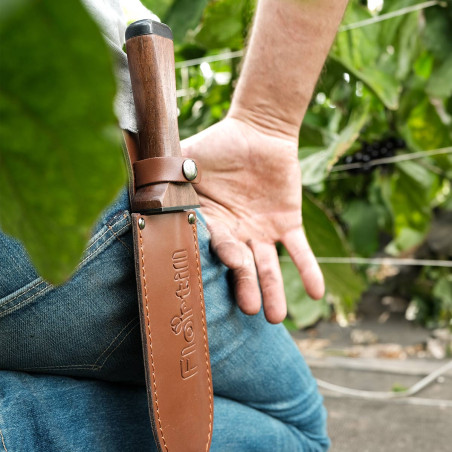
point(183, 322)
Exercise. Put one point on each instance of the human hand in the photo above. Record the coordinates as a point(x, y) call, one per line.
point(250, 195)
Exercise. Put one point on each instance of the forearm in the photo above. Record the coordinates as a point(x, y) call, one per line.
point(287, 49)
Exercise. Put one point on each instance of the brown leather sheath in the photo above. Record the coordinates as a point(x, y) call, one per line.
point(168, 267)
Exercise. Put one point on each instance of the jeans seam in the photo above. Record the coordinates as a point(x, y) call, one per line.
point(3, 441)
point(36, 283)
point(39, 281)
point(117, 346)
point(203, 226)
point(95, 366)
point(11, 309)
point(65, 367)
point(94, 253)
point(127, 247)
point(113, 342)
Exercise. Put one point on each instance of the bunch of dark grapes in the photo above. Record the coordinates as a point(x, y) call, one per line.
point(376, 150)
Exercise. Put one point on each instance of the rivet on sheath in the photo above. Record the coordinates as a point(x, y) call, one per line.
point(141, 223)
point(191, 218)
point(189, 169)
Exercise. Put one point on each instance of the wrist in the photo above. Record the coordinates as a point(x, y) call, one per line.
point(261, 118)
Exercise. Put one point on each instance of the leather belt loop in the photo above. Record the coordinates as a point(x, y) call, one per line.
point(165, 169)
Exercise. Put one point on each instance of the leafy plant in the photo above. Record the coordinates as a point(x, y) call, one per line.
point(60, 155)
point(388, 80)
point(377, 86)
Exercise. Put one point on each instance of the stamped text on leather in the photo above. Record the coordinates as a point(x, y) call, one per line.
point(183, 321)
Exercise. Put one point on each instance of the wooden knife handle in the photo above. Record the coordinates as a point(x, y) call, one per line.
point(150, 53)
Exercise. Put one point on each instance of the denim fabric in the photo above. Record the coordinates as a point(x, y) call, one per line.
point(72, 378)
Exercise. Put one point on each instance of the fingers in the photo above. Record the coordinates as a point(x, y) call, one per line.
point(271, 281)
point(298, 247)
point(239, 258)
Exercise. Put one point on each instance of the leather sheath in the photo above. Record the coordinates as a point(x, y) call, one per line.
point(173, 323)
point(174, 331)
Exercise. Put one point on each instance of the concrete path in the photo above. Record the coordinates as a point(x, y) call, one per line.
point(417, 424)
point(381, 352)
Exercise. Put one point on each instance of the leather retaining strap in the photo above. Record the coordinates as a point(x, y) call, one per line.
point(163, 169)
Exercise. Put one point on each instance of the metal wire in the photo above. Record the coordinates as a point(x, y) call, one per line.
point(345, 167)
point(209, 59)
point(386, 395)
point(378, 261)
point(396, 158)
point(417, 401)
point(361, 23)
point(391, 15)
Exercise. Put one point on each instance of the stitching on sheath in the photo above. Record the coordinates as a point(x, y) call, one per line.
point(154, 384)
point(206, 352)
point(3, 442)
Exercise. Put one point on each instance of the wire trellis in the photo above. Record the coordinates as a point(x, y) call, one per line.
point(378, 261)
point(339, 168)
point(396, 158)
point(362, 23)
point(391, 15)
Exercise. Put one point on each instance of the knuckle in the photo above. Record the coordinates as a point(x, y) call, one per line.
point(242, 276)
point(267, 273)
point(301, 254)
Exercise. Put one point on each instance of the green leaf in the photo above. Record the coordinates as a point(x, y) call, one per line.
point(397, 387)
point(423, 66)
point(349, 134)
point(362, 220)
point(60, 158)
point(222, 25)
point(316, 165)
point(407, 45)
point(436, 35)
point(359, 52)
point(440, 82)
point(303, 311)
point(409, 193)
point(290, 324)
point(327, 240)
point(424, 129)
point(159, 7)
point(399, 38)
point(443, 289)
point(183, 15)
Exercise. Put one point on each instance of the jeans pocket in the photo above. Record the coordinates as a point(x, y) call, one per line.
point(79, 327)
point(20, 284)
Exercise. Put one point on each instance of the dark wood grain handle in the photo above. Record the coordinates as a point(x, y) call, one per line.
point(150, 53)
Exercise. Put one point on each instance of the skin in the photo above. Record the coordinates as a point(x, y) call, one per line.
point(251, 183)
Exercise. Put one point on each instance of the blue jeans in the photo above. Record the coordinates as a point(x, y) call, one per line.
point(71, 369)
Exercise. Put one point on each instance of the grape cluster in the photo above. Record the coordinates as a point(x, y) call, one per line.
point(376, 150)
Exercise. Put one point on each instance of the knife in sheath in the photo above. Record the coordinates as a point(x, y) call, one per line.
point(168, 267)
